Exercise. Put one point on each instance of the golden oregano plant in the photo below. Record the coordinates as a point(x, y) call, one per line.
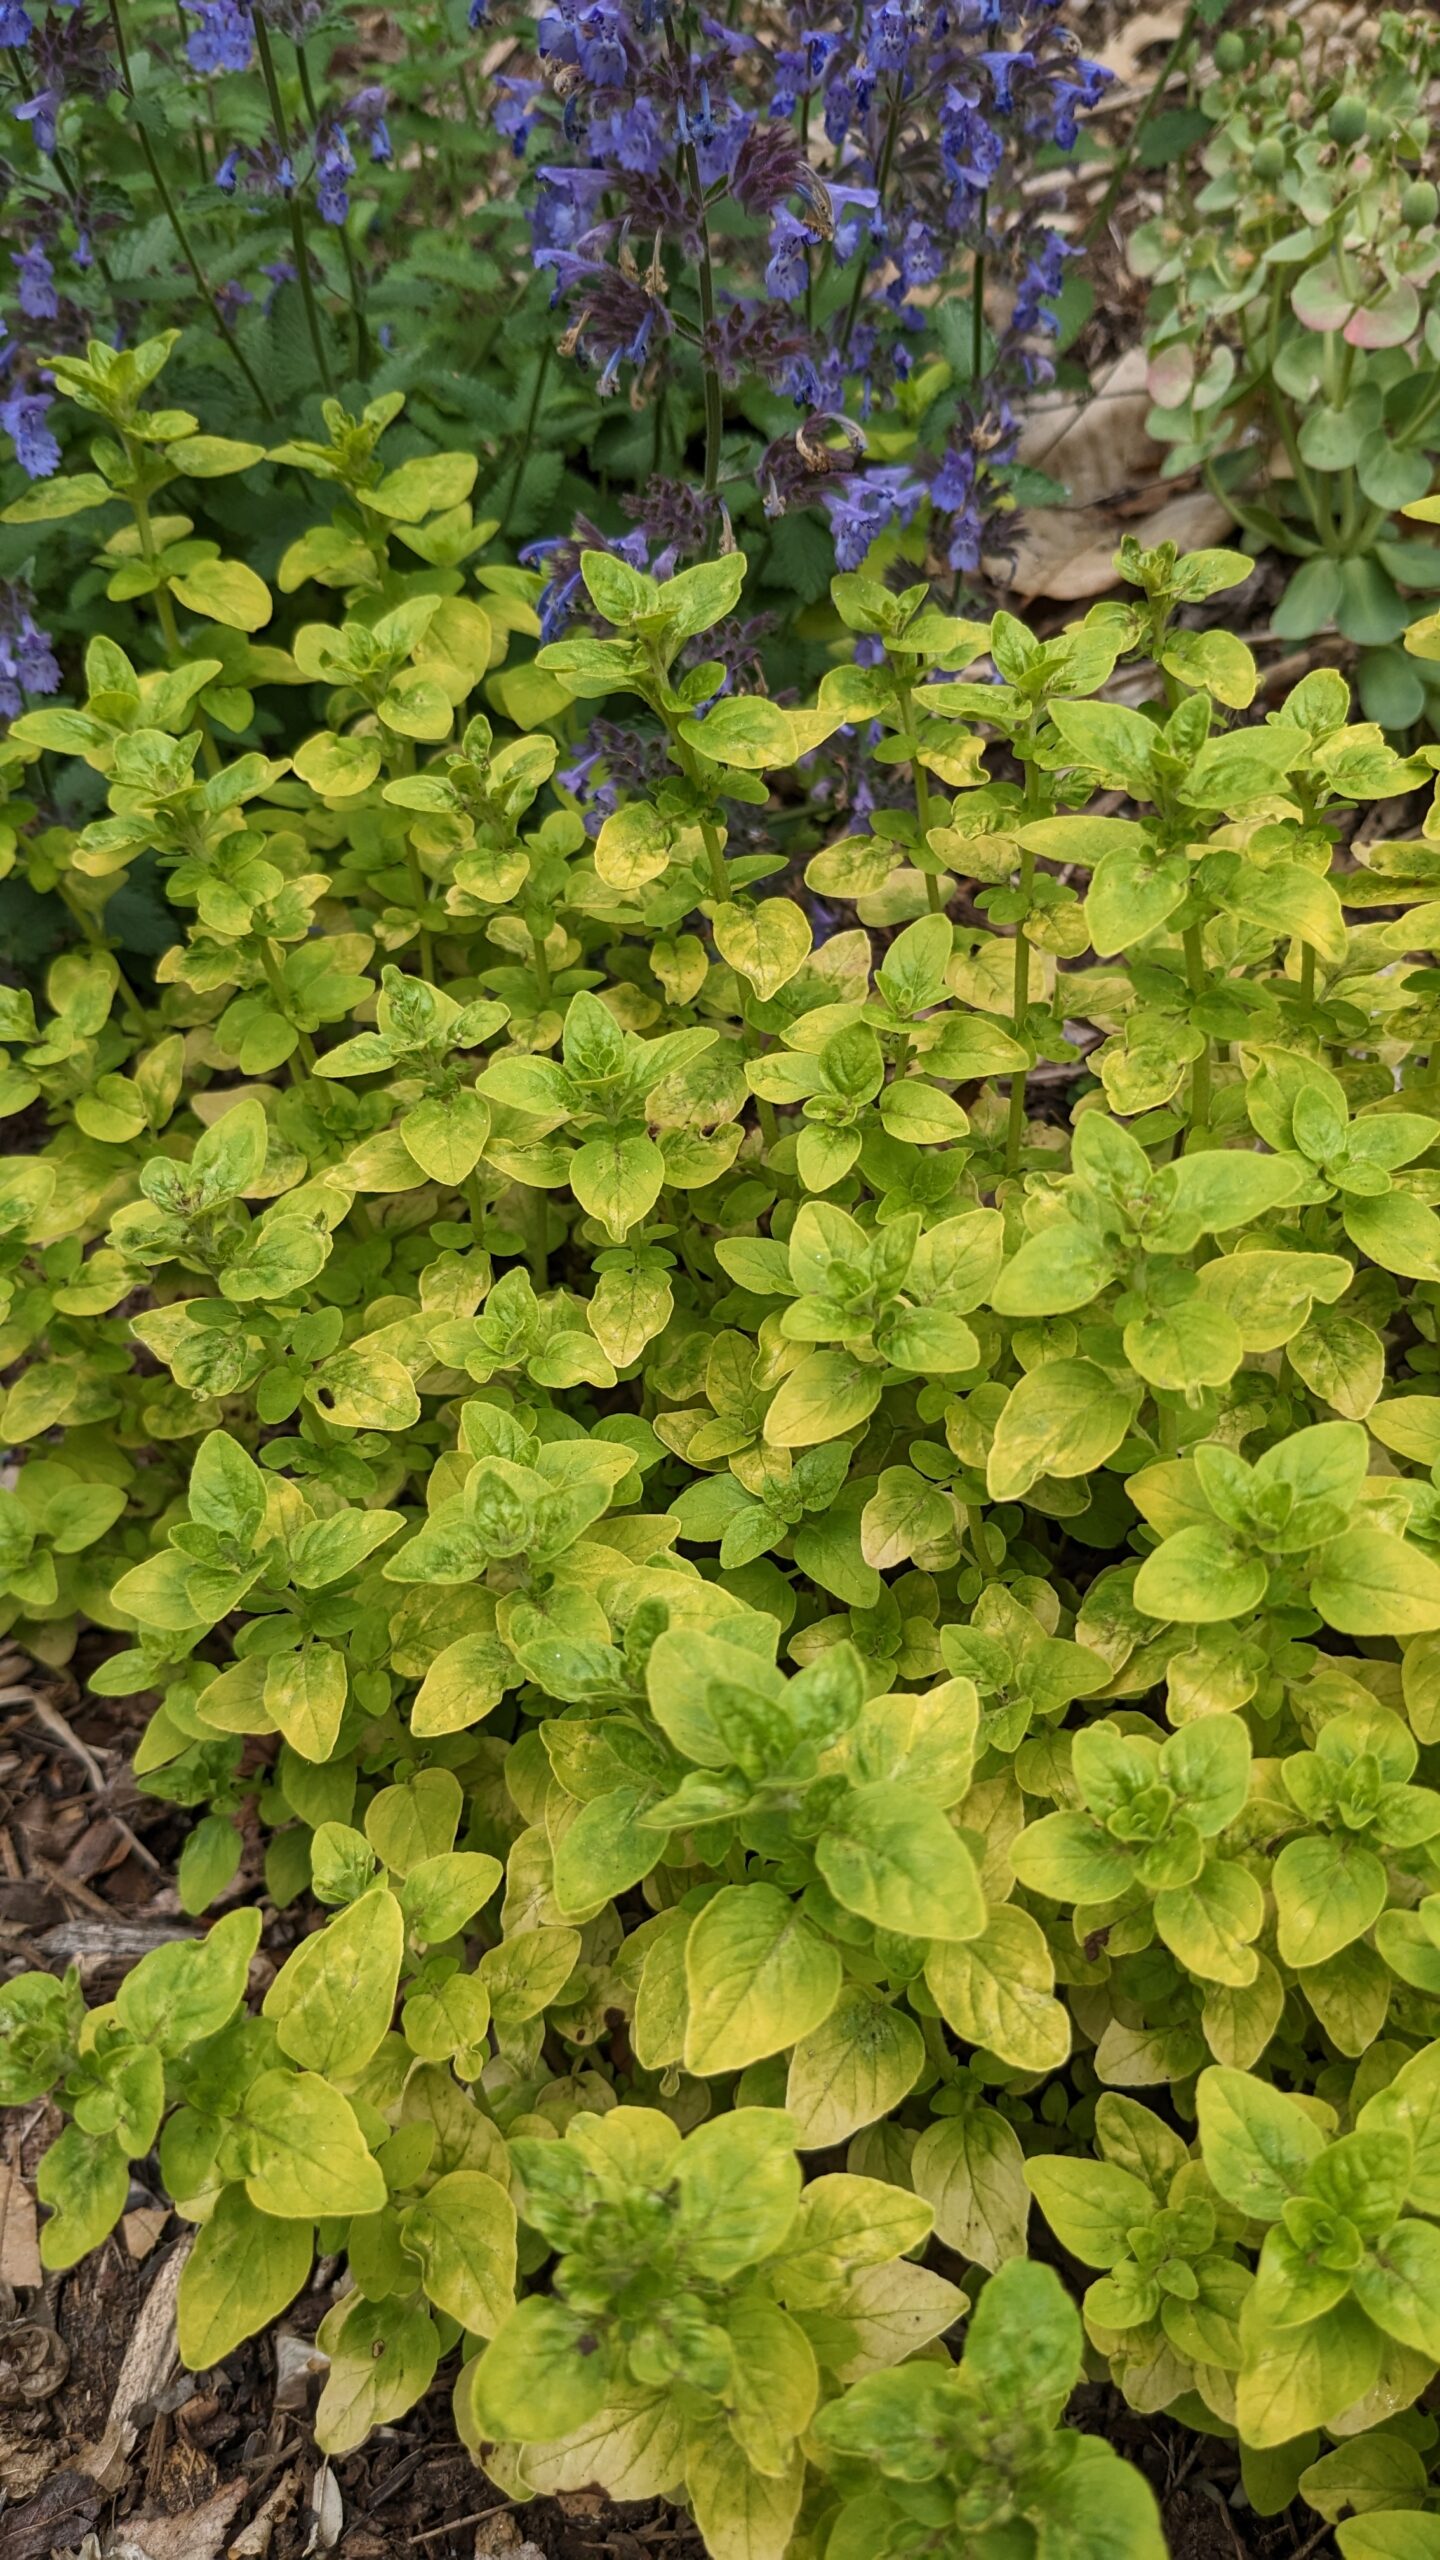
point(815, 1562)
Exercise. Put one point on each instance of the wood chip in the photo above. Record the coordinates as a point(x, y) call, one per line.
point(116, 1942)
point(19, 2242)
point(48, 1715)
point(150, 2361)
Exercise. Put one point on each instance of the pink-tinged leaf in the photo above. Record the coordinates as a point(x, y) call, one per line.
point(1388, 322)
point(1321, 299)
point(1169, 376)
point(1216, 379)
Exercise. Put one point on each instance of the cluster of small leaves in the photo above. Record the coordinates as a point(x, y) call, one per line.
point(1295, 326)
point(823, 1555)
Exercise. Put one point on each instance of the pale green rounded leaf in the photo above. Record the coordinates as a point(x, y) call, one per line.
point(759, 1976)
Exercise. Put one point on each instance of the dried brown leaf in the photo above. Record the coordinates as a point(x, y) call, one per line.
point(1110, 466)
point(198, 2534)
point(1124, 52)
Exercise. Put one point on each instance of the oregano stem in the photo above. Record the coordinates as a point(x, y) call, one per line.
point(1019, 1009)
point(1200, 1071)
point(924, 805)
point(275, 981)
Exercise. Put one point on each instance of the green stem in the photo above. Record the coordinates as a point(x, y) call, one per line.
point(1318, 511)
point(1020, 985)
point(364, 345)
point(534, 1226)
point(714, 400)
point(276, 984)
point(540, 964)
point(719, 876)
point(977, 294)
point(171, 212)
point(164, 608)
point(947, 2068)
point(1019, 1008)
point(1417, 425)
point(1307, 973)
point(710, 834)
point(297, 220)
point(61, 166)
point(1246, 517)
point(528, 437)
point(1200, 1071)
point(882, 177)
point(183, 30)
point(924, 805)
point(420, 892)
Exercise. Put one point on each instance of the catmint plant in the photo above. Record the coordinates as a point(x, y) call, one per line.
point(731, 218)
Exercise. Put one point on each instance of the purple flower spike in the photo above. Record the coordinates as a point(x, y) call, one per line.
point(887, 37)
point(334, 168)
point(224, 39)
point(788, 270)
point(601, 47)
point(27, 654)
point(40, 111)
point(36, 280)
point(865, 504)
point(24, 418)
